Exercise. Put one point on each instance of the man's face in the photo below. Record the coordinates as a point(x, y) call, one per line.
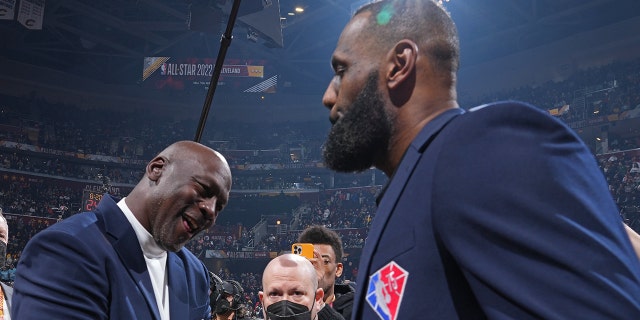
point(188, 197)
point(326, 266)
point(362, 127)
point(361, 135)
point(288, 283)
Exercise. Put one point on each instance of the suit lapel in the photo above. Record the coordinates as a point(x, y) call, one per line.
point(126, 244)
point(388, 201)
point(178, 293)
point(391, 195)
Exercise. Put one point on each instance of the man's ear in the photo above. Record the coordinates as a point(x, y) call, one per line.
point(401, 63)
point(339, 268)
point(319, 295)
point(154, 168)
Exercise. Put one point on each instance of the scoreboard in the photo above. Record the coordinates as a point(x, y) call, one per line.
point(90, 199)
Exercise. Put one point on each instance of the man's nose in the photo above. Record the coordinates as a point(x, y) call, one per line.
point(329, 97)
point(208, 209)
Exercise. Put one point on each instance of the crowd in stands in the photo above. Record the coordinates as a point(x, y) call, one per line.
point(283, 156)
point(348, 211)
point(608, 90)
point(622, 171)
point(140, 135)
point(33, 197)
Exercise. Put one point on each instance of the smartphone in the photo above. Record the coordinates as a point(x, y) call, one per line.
point(303, 249)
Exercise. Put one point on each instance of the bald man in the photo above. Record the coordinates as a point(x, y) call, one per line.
point(126, 260)
point(290, 289)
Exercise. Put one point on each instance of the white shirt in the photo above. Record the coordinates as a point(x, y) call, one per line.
point(5, 306)
point(156, 259)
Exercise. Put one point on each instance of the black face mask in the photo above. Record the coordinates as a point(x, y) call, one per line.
point(287, 310)
point(3, 254)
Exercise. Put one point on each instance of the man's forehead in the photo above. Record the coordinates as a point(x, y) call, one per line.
point(325, 250)
point(360, 21)
point(354, 27)
point(285, 284)
point(351, 40)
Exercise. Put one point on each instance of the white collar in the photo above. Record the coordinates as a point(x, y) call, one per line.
point(150, 248)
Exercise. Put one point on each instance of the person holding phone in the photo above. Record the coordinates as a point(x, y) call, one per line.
point(328, 253)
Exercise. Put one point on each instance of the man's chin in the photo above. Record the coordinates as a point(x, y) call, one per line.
point(172, 247)
point(337, 161)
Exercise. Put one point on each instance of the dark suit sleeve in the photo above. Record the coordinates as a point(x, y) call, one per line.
point(524, 210)
point(207, 311)
point(59, 276)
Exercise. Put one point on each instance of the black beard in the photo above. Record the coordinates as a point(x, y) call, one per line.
point(362, 135)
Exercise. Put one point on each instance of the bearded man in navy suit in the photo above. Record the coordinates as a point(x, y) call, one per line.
point(498, 212)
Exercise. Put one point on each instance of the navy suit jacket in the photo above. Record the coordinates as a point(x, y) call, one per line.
point(90, 266)
point(501, 213)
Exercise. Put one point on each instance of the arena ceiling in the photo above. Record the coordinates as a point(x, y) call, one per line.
point(107, 40)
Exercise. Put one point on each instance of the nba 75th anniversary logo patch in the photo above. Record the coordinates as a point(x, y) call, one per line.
point(385, 290)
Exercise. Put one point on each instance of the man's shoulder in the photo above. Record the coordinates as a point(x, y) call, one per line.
point(503, 104)
point(329, 313)
point(503, 118)
point(190, 260)
point(508, 108)
point(343, 304)
point(342, 289)
point(73, 224)
point(81, 222)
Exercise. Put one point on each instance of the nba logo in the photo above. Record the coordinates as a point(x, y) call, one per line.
point(163, 69)
point(385, 290)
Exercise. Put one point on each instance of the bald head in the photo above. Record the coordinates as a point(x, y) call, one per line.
point(292, 264)
point(193, 151)
point(290, 277)
point(423, 21)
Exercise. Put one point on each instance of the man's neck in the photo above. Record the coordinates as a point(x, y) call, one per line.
point(329, 299)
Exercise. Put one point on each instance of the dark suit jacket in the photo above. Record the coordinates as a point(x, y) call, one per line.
point(91, 266)
point(329, 313)
point(499, 213)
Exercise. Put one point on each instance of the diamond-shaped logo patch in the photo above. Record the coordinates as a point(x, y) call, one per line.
point(385, 290)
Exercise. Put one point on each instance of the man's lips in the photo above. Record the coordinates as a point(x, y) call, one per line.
point(190, 224)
